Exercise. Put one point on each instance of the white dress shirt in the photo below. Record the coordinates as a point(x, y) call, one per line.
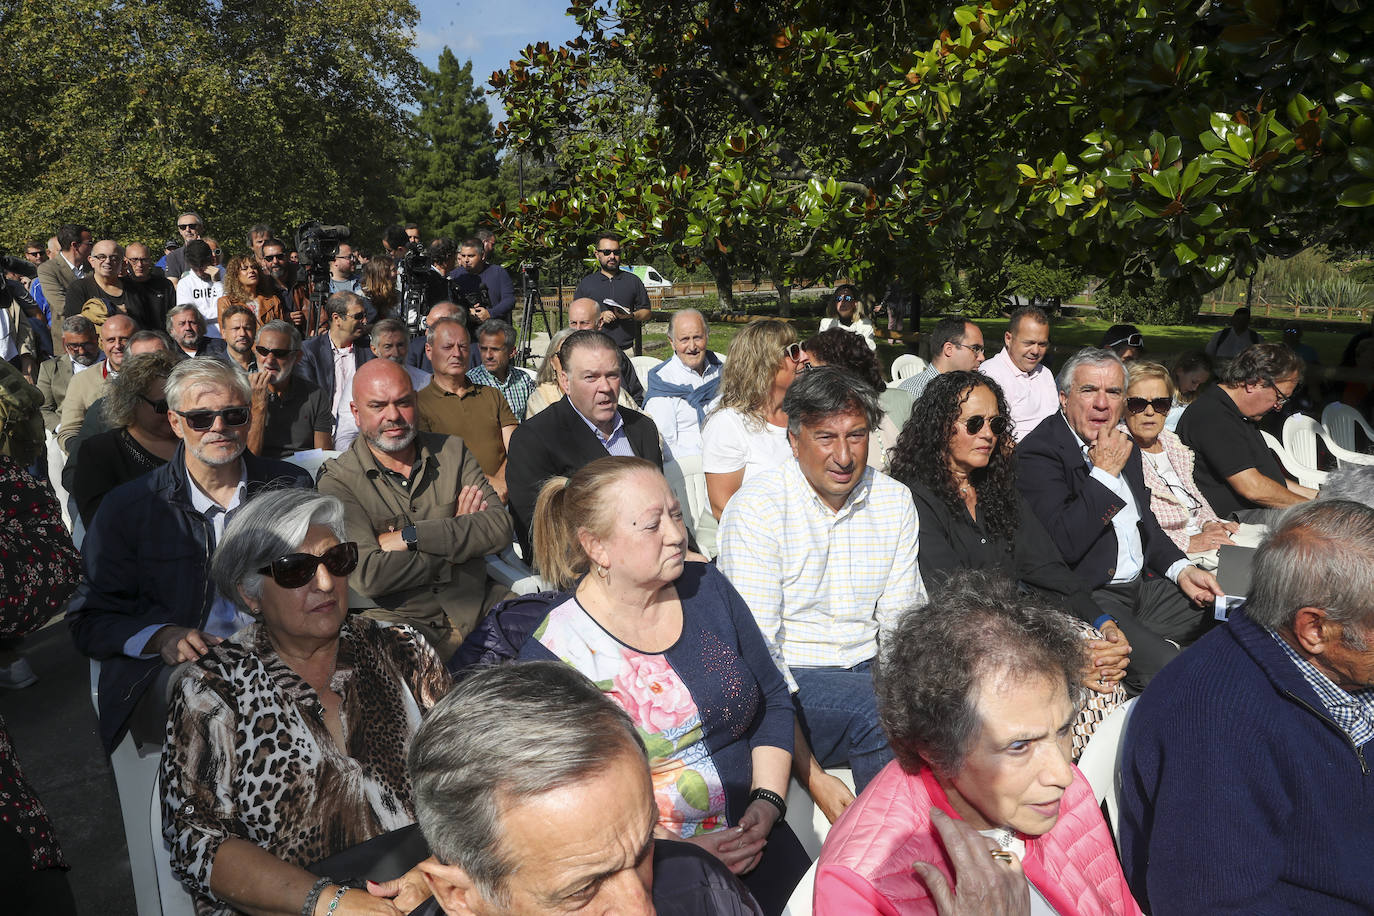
point(676, 419)
point(822, 585)
point(345, 367)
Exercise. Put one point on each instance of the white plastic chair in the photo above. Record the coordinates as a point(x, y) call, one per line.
point(642, 366)
point(1340, 421)
point(688, 483)
point(1305, 430)
point(1100, 762)
point(310, 460)
point(511, 571)
point(1307, 476)
point(907, 365)
point(800, 903)
point(174, 898)
point(805, 818)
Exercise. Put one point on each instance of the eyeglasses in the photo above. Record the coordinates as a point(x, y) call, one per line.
point(105, 257)
point(1131, 340)
point(214, 252)
point(272, 351)
point(608, 251)
point(33, 254)
point(80, 346)
point(976, 348)
point(188, 225)
point(1138, 405)
point(296, 569)
point(137, 260)
point(274, 257)
point(998, 424)
point(201, 420)
point(159, 406)
point(794, 352)
point(1279, 397)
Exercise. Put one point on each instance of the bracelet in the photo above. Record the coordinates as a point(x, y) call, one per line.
point(313, 897)
point(338, 895)
point(773, 798)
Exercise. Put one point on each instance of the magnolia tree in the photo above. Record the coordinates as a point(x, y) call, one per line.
point(1134, 140)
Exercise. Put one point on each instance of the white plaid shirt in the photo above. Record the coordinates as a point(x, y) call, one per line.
point(823, 585)
point(1353, 713)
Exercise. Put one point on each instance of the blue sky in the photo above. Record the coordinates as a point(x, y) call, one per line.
point(490, 34)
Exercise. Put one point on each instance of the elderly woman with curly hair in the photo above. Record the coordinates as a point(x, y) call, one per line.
point(955, 455)
point(746, 431)
point(287, 742)
point(982, 811)
point(244, 285)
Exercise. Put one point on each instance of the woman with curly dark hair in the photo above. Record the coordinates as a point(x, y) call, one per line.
point(955, 455)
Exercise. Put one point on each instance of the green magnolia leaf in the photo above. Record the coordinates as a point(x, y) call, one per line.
point(1360, 195)
point(1361, 159)
point(1187, 251)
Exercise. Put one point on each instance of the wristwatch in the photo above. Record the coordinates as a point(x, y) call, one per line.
point(410, 537)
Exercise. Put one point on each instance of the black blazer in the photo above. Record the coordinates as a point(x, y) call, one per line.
point(1077, 511)
point(317, 361)
point(556, 442)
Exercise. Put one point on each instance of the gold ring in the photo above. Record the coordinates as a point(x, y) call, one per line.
point(1001, 855)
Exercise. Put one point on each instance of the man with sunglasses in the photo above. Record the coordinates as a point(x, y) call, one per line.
point(421, 511)
point(294, 294)
point(146, 603)
point(1235, 470)
point(1083, 476)
point(80, 351)
point(955, 344)
point(290, 413)
point(623, 300)
point(189, 228)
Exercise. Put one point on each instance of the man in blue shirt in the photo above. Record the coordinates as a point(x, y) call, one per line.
point(500, 290)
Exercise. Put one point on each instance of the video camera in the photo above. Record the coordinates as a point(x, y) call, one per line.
point(12, 265)
point(467, 290)
point(316, 245)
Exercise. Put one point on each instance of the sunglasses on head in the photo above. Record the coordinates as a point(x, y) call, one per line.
point(159, 406)
point(998, 424)
point(201, 420)
point(272, 351)
point(296, 569)
point(1138, 405)
point(1130, 340)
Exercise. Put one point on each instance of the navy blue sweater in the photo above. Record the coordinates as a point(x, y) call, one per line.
point(1240, 794)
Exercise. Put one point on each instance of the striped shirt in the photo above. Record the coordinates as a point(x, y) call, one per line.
point(822, 585)
point(1353, 713)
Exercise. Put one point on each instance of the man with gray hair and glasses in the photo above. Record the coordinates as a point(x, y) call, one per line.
point(823, 550)
point(513, 751)
point(1245, 784)
point(290, 414)
point(1083, 476)
point(146, 603)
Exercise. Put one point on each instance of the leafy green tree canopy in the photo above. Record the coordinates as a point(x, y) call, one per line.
point(1134, 138)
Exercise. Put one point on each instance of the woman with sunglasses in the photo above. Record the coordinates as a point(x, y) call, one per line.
point(140, 439)
point(955, 455)
point(846, 310)
point(287, 742)
point(746, 431)
point(1181, 509)
point(244, 285)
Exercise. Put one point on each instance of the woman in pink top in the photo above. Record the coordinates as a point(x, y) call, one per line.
point(982, 810)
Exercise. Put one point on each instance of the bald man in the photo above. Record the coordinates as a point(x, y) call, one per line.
point(415, 353)
point(586, 315)
point(423, 567)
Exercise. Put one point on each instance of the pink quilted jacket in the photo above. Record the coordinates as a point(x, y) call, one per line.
point(865, 865)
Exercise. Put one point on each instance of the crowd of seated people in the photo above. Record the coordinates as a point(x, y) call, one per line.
point(923, 605)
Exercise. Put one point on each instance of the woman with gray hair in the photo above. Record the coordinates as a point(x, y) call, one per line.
point(982, 810)
point(287, 742)
point(141, 438)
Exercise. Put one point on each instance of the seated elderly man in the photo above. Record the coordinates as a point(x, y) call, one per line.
point(391, 340)
point(681, 386)
point(512, 751)
point(1235, 469)
point(146, 602)
point(290, 413)
point(416, 354)
point(1245, 783)
point(1083, 476)
point(586, 425)
point(823, 550)
point(421, 511)
point(186, 325)
point(451, 404)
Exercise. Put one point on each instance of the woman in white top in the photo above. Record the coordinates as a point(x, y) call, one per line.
point(746, 430)
point(847, 311)
point(1181, 509)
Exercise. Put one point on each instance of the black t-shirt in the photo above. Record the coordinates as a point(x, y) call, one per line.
point(1225, 444)
point(86, 288)
point(626, 290)
point(292, 421)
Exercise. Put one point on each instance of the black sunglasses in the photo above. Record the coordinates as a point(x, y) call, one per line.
point(272, 351)
point(201, 420)
point(274, 257)
point(998, 424)
point(159, 406)
point(1138, 405)
point(1132, 340)
point(188, 225)
point(608, 251)
point(296, 569)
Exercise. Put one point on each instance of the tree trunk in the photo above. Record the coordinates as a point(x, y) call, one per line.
point(784, 298)
point(719, 266)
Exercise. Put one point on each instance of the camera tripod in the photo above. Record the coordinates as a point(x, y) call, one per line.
point(532, 304)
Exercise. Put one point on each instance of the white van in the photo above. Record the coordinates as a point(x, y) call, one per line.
point(649, 276)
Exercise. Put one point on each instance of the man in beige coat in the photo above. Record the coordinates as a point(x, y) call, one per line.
point(421, 511)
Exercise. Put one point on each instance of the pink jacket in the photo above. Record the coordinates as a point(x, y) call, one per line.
point(1169, 508)
point(865, 865)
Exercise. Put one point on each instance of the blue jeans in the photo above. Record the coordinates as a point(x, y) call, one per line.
point(838, 714)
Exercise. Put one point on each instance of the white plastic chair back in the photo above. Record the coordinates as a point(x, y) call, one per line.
point(1300, 434)
point(642, 366)
point(688, 484)
point(805, 818)
point(175, 899)
point(1307, 476)
point(310, 460)
point(907, 365)
point(1100, 762)
point(799, 904)
point(1340, 421)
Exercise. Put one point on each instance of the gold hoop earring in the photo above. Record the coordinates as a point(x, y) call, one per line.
point(601, 571)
